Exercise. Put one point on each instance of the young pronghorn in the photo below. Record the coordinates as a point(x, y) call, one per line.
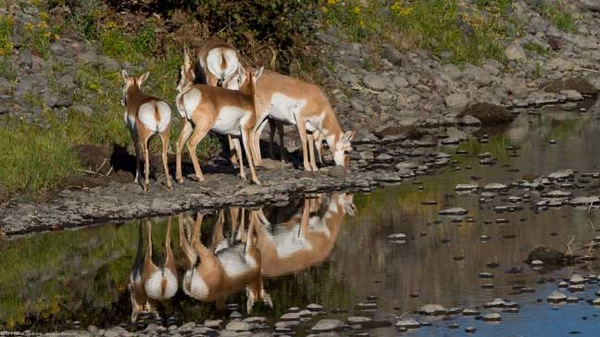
point(293, 101)
point(225, 268)
point(305, 239)
point(204, 108)
point(148, 282)
point(145, 116)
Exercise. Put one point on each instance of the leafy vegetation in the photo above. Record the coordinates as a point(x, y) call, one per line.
point(465, 34)
point(32, 160)
point(558, 15)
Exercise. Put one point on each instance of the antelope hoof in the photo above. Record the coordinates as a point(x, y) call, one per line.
point(146, 187)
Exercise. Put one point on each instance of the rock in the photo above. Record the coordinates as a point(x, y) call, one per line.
point(352, 320)
point(489, 114)
point(457, 101)
point(4, 86)
point(585, 201)
point(515, 52)
point(57, 48)
point(83, 110)
point(375, 82)
point(579, 84)
point(495, 187)
point(393, 55)
point(547, 255)
point(492, 317)
point(479, 75)
point(432, 309)
point(470, 187)
point(576, 279)
point(327, 325)
point(408, 323)
point(453, 211)
point(590, 5)
point(314, 307)
point(468, 120)
point(572, 95)
point(238, 326)
point(452, 71)
point(557, 297)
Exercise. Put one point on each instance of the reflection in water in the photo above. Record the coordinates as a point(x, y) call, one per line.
point(230, 264)
point(263, 242)
point(306, 238)
point(149, 282)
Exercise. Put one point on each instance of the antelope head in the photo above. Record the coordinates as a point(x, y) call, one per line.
point(131, 85)
point(187, 75)
point(341, 148)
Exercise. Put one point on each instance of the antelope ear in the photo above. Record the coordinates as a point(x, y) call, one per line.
point(187, 61)
point(258, 73)
point(124, 74)
point(348, 135)
point(143, 78)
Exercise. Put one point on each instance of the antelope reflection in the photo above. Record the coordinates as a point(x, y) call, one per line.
point(230, 265)
point(148, 281)
point(306, 238)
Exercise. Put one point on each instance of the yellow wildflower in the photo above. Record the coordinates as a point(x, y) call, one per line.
point(356, 10)
point(44, 16)
point(332, 2)
point(111, 24)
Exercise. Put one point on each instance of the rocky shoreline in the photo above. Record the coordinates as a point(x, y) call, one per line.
point(400, 109)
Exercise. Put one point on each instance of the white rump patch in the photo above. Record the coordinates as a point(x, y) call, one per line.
point(191, 100)
point(198, 288)
point(154, 288)
point(214, 60)
point(164, 111)
point(236, 263)
point(146, 116)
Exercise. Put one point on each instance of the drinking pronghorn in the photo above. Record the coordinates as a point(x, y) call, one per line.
point(304, 240)
point(293, 101)
point(145, 116)
point(226, 267)
point(204, 108)
point(148, 282)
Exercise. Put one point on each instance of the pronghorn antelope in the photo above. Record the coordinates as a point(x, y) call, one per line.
point(148, 282)
point(293, 101)
point(225, 268)
point(305, 239)
point(219, 62)
point(145, 116)
point(204, 108)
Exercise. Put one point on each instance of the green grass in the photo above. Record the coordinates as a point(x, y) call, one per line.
point(559, 16)
point(441, 26)
point(536, 48)
point(34, 160)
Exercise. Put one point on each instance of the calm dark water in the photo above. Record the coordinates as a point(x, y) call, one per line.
point(334, 250)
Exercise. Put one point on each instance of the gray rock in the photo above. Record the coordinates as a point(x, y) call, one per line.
point(408, 323)
point(433, 309)
point(375, 82)
point(572, 95)
point(400, 82)
point(83, 110)
point(456, 101)
point(66, 82)
point(452, 71)
point(556, 297)
point(25, 58)
point(238, 326)
point(393, 55)
point(24, 86)
point(478, 75)
point(515, 52)
point(327, 325)
point(492, 317)
point(57, 48)
point(110, 65)
point(590, 5)
point(89, 57)
point(358, 320)
point(4, 86)
point(453, 211)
